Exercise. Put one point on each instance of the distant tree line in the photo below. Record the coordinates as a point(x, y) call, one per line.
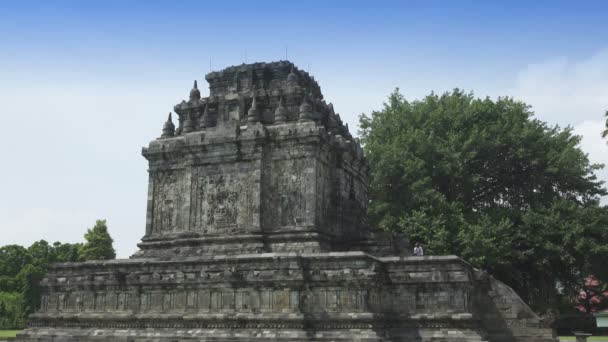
point(21, 270)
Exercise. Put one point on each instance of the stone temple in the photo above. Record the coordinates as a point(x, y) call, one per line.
point(256, 230)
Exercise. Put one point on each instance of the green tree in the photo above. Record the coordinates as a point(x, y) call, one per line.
point(98, 245)
point(66, 252)
point(29, 279)
point(12, 315)
point(41, 253)
point(485, 180)
point(21, 270)
point(8, 284)
point(12, 259)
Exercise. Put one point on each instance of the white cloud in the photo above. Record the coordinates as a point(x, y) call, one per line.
point(32, 224)
point(571, 93)
point(593, 144)
point(565, 91)
point(74, 157)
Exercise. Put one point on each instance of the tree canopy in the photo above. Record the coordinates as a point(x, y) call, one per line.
point(21, 270)
point(98, 245)
point(485, 180)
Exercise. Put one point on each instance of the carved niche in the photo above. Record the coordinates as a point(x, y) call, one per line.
point(288, 187)
point(168, 201)
point(222, 202)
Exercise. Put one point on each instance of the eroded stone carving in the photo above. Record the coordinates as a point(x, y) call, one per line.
point(221, 203)
point(289, 202)
point(168, 201)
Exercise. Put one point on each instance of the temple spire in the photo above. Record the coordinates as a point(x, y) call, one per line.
point(280, 114)
point(253, 115)
point(195, 94)
point(292, 78)
point(168, 128)
point(305, 113)
point(188, 123)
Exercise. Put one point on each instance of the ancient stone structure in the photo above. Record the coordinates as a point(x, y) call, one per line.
point(256, 230)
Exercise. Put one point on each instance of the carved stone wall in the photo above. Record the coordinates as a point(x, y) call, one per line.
point(267, 284)
point(329, 295)
point(289, 203)
point(294, 186)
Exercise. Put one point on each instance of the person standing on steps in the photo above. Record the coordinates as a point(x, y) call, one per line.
point(418, 251)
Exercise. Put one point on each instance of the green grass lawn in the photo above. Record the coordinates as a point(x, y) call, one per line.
point(12, 333)
point(8, 333)
point(590, 339)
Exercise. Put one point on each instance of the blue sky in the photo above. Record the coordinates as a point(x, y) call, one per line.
point(84, 85)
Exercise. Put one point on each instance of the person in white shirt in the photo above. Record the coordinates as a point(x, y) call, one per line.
point(418, 251)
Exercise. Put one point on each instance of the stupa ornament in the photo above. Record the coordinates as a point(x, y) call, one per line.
point(195, 94)
point(280, 114)
point(168, 128)
point(256, 230)
point(305, 112)
point(253, 115)
point(188, 123)
point(292, 78)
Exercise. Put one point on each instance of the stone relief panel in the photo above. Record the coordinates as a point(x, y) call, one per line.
point(223, 202)
point(448, 298)
point(145, 301)
point(352, 211)
point(280, 300)
point(290, 194)
point(169, 200)
point(325, 199)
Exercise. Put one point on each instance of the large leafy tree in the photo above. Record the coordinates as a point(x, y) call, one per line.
point(12, 315)
point(29, 278)
point(485, 180)
point(65, 252)
point(21, 270)
point(98, 245)
point(13, 258)
point(42, 253)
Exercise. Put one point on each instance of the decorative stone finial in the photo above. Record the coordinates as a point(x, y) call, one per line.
point(195, 94)
point(292, 78)
point(253, 115)
point(280, 114)
point(188, 123)
point(305, 113)
point(168, 128)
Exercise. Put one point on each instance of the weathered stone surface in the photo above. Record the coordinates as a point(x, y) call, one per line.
point(256, 230)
